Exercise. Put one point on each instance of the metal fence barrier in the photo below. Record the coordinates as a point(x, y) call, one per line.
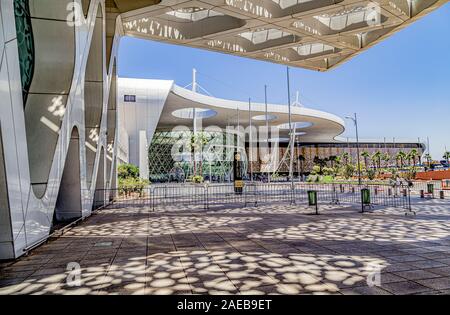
point(209, 196)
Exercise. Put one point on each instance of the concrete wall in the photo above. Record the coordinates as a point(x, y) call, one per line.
point(142, 115)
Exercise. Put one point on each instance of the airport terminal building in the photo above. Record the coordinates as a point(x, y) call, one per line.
point(61, 135)
point(157, 117)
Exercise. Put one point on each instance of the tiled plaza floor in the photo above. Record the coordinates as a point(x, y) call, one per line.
point(277, 248)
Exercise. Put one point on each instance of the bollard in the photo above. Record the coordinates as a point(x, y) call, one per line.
point(441, 194)
point(353, 190)
point(422, 193)
point(342, 188)
point(405, 193)
point(390, 192)
point(376, 191)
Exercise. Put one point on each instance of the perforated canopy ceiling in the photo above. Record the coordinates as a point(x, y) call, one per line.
point(313, 34)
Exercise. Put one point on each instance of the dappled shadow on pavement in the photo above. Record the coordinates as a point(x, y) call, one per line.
point(270, 249)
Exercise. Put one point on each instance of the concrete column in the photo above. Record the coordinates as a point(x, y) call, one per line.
point(143, 154)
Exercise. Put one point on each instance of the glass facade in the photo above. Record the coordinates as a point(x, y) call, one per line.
point(179, 155)
point(25, 44)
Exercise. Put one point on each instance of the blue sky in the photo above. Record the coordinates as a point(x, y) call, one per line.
point(400, 87)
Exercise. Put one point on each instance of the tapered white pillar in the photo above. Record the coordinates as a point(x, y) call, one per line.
point(143, 154)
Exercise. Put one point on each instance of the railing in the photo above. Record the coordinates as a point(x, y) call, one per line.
point(208, 196)
point(437, 189)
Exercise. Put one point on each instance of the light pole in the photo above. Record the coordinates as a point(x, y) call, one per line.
point(355, 121)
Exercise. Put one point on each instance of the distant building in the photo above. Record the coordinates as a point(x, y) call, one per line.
point(155, 115)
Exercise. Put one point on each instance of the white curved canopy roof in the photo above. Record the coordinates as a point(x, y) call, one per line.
point(317, 126)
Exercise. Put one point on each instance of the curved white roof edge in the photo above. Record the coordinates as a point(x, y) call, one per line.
point(325, 126)
point(257, 107)
point(388, 140)
point(144, 83)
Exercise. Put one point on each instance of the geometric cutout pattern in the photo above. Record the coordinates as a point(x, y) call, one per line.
point(312, 34)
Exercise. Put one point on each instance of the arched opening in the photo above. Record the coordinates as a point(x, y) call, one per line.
point(93, 94)
point(6, 239)
point(85, 6)
point(100, 191)
point(68, 204)
point(45, 42)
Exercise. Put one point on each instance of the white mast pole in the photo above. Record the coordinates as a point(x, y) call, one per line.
point(250, 138)
point(194, 118)
point(292, 136)
point(267, 128)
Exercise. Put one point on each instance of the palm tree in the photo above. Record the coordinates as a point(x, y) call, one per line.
point(386, 158)
point(412, 155)
point(197, 142)
point(428, 158)
point(333, 160)
point(376, 159)
point(345, 157)
point(400, 156)
point(446, 156)
point(366, 156)
point(320, 162)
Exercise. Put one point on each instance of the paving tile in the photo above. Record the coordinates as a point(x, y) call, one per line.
point(287, 253)
point(406, 258)
point(416, 274)
point(262, 290)
point(388, 277)
point(403, 288)
point(424, 264)
point(394, 267)
point(365, 290)
point(443, 271)
point(444, 260)
point(437, 283)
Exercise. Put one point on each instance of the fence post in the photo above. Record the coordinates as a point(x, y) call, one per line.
point(335, 197)
point(292, 194)
point(153, 199)
point(441, 194)
point(409, 203)
point(206, 205)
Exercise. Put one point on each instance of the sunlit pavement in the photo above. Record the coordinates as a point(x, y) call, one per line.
point(269, 249)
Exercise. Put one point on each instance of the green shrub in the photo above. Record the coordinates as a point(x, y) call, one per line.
point(129, 181)
point(311, 178)
point(328, 171)
point(371, 173)
point(315, 170)
point(127, 171)
point(132, 185)
point(349, 170)
point(327, 179)
point(198, 179)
